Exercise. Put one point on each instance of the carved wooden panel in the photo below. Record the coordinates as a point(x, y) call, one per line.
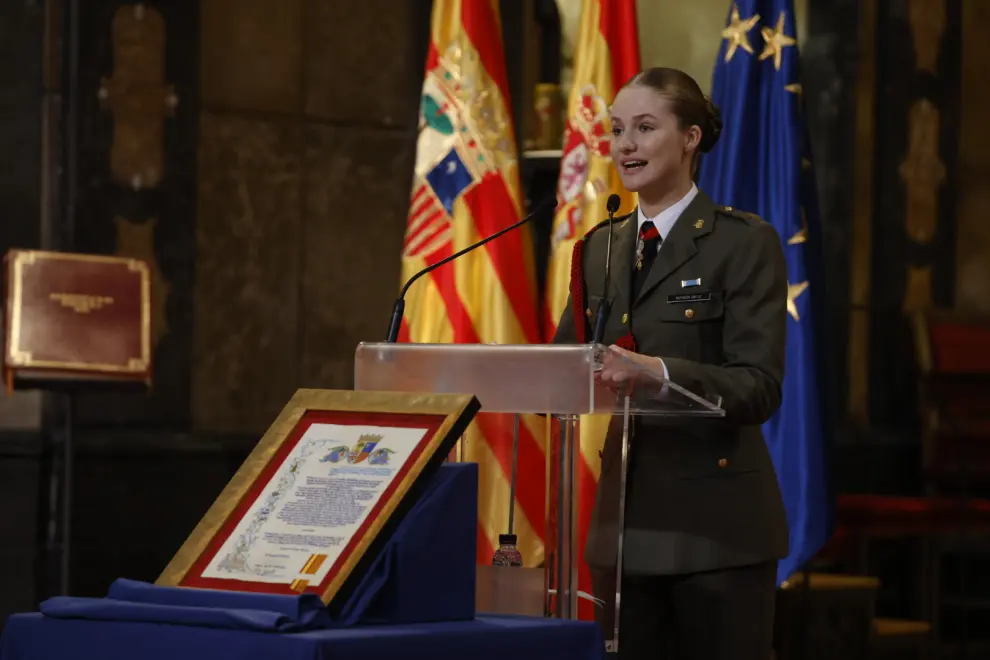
point(915, 190)
point(927, 20)
point(137, 125)
point(922, 171)
point(137, 240)
point(137, 96)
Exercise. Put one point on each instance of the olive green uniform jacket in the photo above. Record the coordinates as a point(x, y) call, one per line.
point(702, 493)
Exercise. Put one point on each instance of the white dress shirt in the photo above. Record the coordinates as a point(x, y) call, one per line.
point(664, 222)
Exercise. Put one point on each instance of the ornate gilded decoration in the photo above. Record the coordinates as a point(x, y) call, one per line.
point(547, 121)
point(917, 289)
point(137, 96)
point(137, 240)
point(862, 195)
point(927, 20)
point(735, 33)
point(922, 171)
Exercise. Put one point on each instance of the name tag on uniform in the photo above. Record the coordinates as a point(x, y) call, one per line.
point(689, 297)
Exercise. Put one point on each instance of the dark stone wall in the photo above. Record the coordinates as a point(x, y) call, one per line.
point(137, 497)
point(19, 528)
point(972, 228)
point(21, 93)
point(21, 27)
point(306, 153)
point(274, 232)
point(829, 66)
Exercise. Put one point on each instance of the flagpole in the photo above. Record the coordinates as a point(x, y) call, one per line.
point(512, 481)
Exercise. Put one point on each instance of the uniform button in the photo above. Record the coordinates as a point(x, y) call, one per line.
point(625, 318)
point(728, 208)
point(689, 313)
point(587, 312)
point(722, 462)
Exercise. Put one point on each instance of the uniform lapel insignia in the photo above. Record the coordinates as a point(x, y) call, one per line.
point(679, 245)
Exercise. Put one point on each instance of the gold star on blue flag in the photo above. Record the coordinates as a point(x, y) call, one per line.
point(760, 165)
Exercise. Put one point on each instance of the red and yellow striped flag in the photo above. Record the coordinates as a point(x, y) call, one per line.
point(606, 55)
point(466, 187)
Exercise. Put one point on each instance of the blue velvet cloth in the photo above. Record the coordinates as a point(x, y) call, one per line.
point(128, 600)
point(38, 637)
point(415, 601)
point(435, 544)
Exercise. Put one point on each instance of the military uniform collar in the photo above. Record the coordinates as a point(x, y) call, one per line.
point(664, 221)
point(697, 220)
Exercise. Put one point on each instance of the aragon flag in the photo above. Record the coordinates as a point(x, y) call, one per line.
point(466, 187)
point(606, 55)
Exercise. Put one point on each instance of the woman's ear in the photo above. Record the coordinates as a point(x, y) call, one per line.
point(692, 138)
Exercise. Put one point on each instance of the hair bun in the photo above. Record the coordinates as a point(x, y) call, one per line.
point(712, 129)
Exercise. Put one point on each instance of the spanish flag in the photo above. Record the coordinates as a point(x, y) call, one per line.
point(466, 187)
point(606, 55)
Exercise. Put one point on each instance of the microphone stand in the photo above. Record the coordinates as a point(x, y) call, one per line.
point(605, 305)
point(399, 308)
point(512, 482)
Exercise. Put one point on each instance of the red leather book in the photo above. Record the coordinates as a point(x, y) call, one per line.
point(76, 318)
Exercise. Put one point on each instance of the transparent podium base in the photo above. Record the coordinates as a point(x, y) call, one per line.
point(561, 383)
point(510, 590)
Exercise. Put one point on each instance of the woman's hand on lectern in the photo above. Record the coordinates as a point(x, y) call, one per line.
point(621, 368)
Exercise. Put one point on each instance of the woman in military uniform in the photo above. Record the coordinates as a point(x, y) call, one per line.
point(699, 293)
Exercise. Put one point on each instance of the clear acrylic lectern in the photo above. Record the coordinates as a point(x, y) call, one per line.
point(559, 381)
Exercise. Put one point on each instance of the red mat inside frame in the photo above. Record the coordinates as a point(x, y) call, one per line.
point(194, 578)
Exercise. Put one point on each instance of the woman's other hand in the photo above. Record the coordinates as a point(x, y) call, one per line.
point(621, 368)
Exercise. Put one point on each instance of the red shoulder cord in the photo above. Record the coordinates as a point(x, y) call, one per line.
point(577, 291)
point(581, 324)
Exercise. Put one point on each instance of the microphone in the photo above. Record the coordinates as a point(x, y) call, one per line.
point(400, 303)
point(604, 305)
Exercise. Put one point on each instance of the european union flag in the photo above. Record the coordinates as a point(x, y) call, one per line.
point(762, 164)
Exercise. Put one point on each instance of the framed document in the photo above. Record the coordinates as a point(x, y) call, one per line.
point(321, 493)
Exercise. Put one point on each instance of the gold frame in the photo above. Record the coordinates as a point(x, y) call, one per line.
point(458, 410)
point(23, 360)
